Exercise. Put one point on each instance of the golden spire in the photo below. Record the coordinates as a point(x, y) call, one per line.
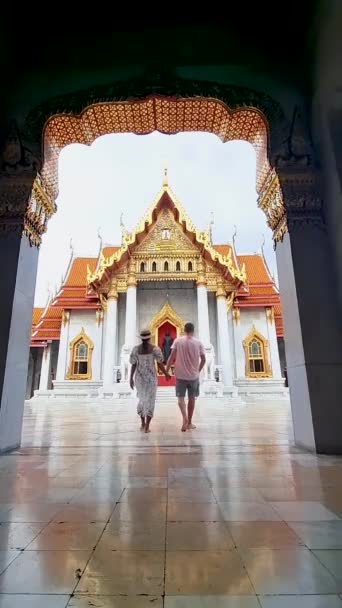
point(165, 179)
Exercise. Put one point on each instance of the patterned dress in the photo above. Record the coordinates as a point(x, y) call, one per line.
point(146, 378)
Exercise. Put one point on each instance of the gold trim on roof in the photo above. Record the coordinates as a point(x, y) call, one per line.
point(202, 238)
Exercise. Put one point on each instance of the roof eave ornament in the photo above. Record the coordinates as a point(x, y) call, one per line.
point(125, 235)
point(165, 179)
point(209, 231)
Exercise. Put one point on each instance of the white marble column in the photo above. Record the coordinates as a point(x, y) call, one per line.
point(110, 337)
point(131, 317)
point(17, 285)
point(130, 322)
point(45, 371)
point(203, 323)
point(273, 345)
point(63, 347)
point(223, 336)
point(240, 362)
point(203, 315)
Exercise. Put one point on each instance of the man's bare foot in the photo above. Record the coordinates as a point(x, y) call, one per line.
point(184, 426)
point(191, 426)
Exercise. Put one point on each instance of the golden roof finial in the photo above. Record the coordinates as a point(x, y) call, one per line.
point(165, 178)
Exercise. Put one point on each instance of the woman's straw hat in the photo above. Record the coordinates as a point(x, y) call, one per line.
point(145, 334)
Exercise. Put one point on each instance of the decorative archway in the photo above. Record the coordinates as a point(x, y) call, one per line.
point(166, 315)
point(168, 106)
point(81, 350)
point(166, 323)
point(288, 184)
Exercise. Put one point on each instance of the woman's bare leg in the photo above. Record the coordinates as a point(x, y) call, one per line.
point(143, 423)
point(147, 424)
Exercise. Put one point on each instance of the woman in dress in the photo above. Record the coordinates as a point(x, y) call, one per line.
point(143, 372)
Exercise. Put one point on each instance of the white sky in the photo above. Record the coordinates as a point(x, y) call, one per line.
point(123, 173)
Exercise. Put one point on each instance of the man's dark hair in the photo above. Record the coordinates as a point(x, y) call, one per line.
point(189, 328)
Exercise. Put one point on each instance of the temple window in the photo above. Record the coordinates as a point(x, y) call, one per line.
point(190, 267)
point(142, 267)
point(166, 266)
point(256, 354)
point(154, 267)
point(80, 367)
point(80, 358)
point(178, 266)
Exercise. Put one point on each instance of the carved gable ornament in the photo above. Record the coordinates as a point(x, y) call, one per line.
point(165, 236)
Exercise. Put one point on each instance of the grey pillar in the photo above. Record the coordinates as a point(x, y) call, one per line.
point(24, 211)
point(312, 323)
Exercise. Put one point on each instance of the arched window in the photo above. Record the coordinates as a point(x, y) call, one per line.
point(142, 267)
point(80, 367)
point(178, 266)
point(166, 266)
point(154, 267)
point(256, 353)
point(80, 358)
point(190, 267)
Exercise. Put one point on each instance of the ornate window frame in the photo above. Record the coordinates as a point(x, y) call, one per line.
point(81, 337)
point(254, 334)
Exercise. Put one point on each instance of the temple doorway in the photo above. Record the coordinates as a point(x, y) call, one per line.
point(166, 326)
point(167, 333)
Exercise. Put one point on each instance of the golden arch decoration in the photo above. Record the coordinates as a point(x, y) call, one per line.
point(167, 115)
point(166, 314)
point(246, 120)
point(80, 359)
point(256, 355)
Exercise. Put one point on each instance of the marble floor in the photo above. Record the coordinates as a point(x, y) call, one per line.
point(96, 514)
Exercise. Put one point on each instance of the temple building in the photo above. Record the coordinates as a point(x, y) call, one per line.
point(164, 273)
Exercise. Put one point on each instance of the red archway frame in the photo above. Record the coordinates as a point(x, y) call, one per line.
point(167, 115)
point(162, 329)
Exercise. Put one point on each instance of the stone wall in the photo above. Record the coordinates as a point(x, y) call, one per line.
point(86, 319)
point(151, 297)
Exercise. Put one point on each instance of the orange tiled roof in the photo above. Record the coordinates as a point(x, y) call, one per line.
point(223, 249)
point(108, 251)
point(48, 327)
point(261, 291)
point(73, 294)
point(77, 276)
point(37, 313)
point(278, 317)
point(255, 268)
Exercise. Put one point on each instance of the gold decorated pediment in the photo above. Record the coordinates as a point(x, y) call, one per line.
point(165, 237)
point(166, 230)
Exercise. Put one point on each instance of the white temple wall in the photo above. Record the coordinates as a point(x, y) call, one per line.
point(86, 319)
point(215, 340)
point(248, 318)
point(151, 297)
